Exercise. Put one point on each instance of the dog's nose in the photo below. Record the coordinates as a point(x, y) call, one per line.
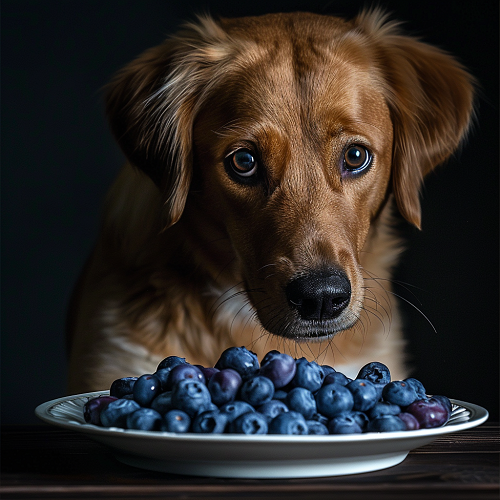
point(319, 295)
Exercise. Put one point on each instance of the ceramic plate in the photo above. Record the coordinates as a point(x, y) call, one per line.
point(267, 456)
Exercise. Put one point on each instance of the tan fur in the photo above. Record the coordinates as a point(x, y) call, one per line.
point(190, 262)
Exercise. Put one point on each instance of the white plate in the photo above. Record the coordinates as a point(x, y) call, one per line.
point(265, 456)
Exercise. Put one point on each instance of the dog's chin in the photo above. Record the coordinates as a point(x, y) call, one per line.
point(294, 328)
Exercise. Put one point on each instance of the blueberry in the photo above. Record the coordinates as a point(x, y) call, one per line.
point(257, 391)
point(115, 414)
point(364, 393)
point(410, 421)
point(190, 396)
point(185, 372)
point(176, 421)
point(93, 408)
point(210, 422)
point(162, 403)
point(122, 386)
point(399, 393)
point(170, 362)
point(345, 423)
point(445, 402)
point(235, 409)
point(320, 418)
point(376, 373)
point(208, 372)
point(361, 419)
point(249, 423)
point(144, 419)
point(224, 386)
point(240, 359)
point(280, 395)
point(383, 408)
point(163, 376)
point(146, 388)
point(418, 387)
point(334, 399)
point(308, 375)
point(316, 428)
point(290, 422)
point(386, 423)
point(430, 413)
point(279, 368)
point(272, 408)
point(336, 378)
point(327, 369)
point(302, 401)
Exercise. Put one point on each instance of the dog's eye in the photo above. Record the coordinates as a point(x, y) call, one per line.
point(243, 163)
point(356, 158)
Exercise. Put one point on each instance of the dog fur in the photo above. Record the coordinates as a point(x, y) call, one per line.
point(192, 259)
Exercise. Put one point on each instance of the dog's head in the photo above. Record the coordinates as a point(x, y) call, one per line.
point(292, 130)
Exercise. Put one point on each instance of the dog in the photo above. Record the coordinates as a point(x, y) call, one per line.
point(266, 159)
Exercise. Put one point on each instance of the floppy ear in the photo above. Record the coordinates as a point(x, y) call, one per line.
point(152, 103)
point(430, 97)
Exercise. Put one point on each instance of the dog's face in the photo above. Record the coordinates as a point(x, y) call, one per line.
point(294, 129)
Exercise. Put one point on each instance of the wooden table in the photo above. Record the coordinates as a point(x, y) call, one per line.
point(47, 462)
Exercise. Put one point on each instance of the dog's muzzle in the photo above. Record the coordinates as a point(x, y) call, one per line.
point(319, 295)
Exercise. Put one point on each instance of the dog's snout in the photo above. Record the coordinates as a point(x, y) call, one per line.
point(319, 295)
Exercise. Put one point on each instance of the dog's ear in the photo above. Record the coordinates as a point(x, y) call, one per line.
point(152, 104)
point(430, 97)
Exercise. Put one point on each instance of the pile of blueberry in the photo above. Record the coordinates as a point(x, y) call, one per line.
point(282, 395)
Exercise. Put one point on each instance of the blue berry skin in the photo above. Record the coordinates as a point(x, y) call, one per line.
point(430, 413)
point(249, 423)
point(176, 421)
point(93, 408)
point(418, 387)
point(308, 375)
point(290, 422)
point(344, 423)
point(224, 386)
point(184, 372)
point(122, 386)
point(191, 396)
point(163, 376)
point(364, 393)
point(146, 388)
point(208, 372)
point(170, 362)
point(272, 409)
point(302, 401)
point(316, 428)
point(410, 421)
point(383, 408)
point(240, 359)
point(235, 409)
point(386, 423)
point(334, 399)
point(361, 419)
point(375, 372)
point(144, 419)
point(162, 403)
point(336, 378)
point(210, 422)
point(279, 368)
point(445, 402)
point(257, 391)
point(320, 418)
point(327, 369)
point(280, 395)
point(115, 414)
point(399, 393)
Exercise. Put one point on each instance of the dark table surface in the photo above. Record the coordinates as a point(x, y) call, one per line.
point(47, 462)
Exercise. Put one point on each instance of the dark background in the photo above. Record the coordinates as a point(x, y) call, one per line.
point(59, 158)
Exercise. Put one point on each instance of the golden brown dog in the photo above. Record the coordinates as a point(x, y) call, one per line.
point(265, 157)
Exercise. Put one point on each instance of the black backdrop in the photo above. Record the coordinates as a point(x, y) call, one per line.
point(59, 159)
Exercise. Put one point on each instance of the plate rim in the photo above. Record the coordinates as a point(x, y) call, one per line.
point(479, 415)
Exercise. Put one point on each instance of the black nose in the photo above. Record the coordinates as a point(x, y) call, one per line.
point(319, 295)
